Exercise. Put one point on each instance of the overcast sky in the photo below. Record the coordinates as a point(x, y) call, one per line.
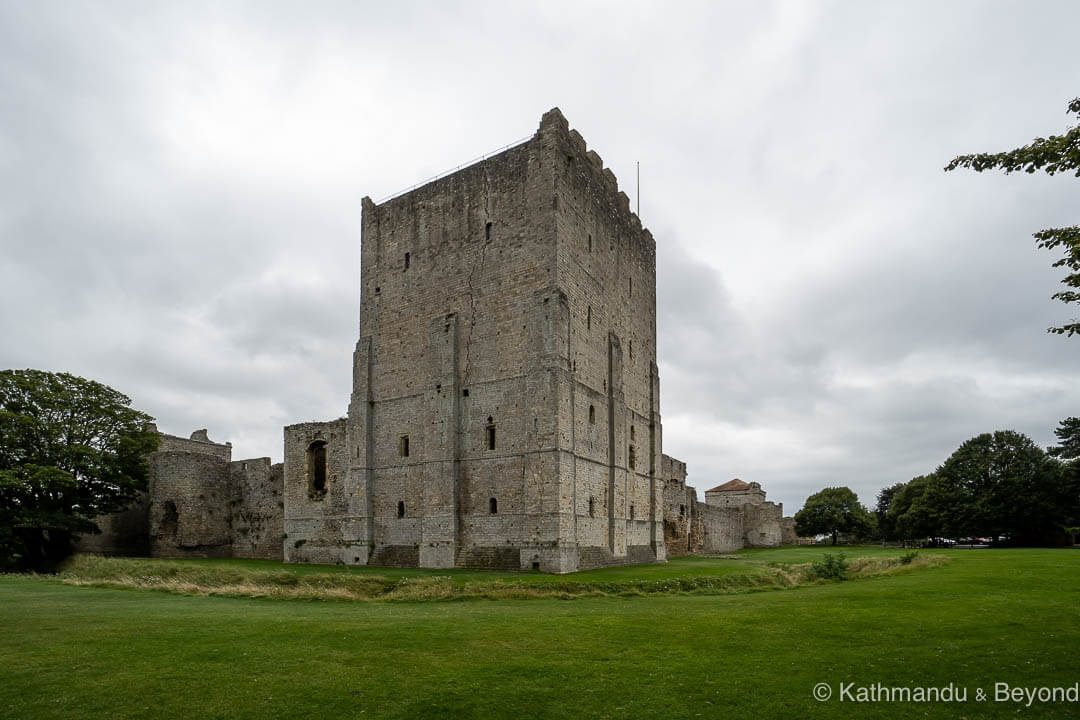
point(180, 191)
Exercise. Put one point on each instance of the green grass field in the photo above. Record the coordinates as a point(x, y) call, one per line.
point(984, 617)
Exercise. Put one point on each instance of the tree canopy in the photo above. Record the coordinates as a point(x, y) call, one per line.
point(70, 449)
point(1068, 434)
point(1052, 155)
point(832, 511)
point(885, 498)
point(994, 485)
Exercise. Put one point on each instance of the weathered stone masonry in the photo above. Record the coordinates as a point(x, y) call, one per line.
point(204, 504)
point(505, 406)
point(505, 409)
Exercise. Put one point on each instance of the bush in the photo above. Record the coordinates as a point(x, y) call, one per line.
point(907, 557)
point(830, 567)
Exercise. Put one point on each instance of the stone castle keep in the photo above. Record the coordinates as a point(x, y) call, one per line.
point(505, 408)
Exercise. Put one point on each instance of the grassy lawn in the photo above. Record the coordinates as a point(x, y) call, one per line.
point(986, 616)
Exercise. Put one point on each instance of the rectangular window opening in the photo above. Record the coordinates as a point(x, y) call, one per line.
point(406, 261)
point(403, 446)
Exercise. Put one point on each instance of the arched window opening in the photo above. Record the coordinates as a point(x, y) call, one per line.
point(682, 511)
point(401, 508)
point(490, 434)
point(316, 467)
point(493, 506)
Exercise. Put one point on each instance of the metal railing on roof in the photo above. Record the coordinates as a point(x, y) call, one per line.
point(462, 166)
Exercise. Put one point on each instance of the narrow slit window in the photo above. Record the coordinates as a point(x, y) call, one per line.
point(487, 231)
point(631, 512)
point(633, 458)
point(490, 434)
point(401, 509)
point(592, 507)
point(493, 506)
point(588, 318)
point(406, 261)
point(682, 511)
point(592, 415)
point(403, 446)
point(590, 243)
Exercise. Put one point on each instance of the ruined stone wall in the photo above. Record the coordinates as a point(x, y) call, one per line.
point(199, 442)
point(716, 529)
point(788, 536)
point(203, 504)
point(189, 507)
point(317, 515)
point(257, 514)
point(679, 501)
point(761, 524)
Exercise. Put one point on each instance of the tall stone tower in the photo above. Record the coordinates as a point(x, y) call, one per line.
point(505, 410)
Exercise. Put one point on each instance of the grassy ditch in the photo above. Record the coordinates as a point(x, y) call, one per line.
point(683, 576)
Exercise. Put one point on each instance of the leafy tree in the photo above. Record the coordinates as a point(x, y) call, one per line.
point(1068, 434)
point(70, 449)
point(832, 511)
point(926, 507)
point(1009, 487)
point(886, 526)
point(1055, 154)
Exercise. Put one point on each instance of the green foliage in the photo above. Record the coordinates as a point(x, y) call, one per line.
point(908, 557)
point(996, 484)
point(1055, 154)
point(833, 511)
point(1068, 434)
point(885, 525)
point(70, 449)
point(926, 507)
point(830, 567)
